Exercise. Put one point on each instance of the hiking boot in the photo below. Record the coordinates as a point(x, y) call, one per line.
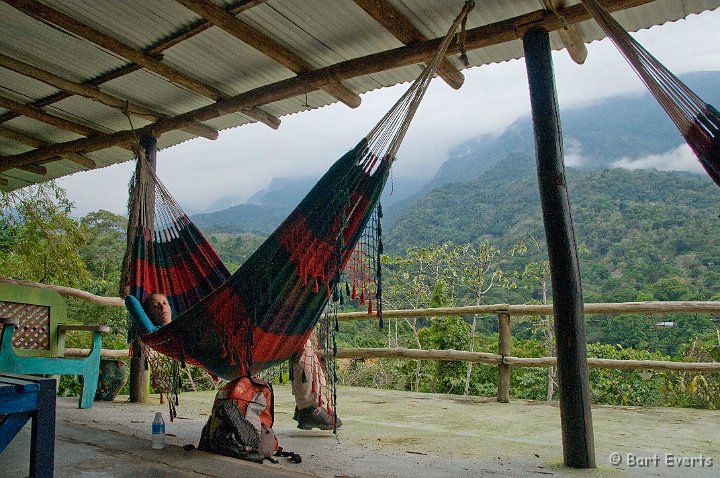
point(315, 417)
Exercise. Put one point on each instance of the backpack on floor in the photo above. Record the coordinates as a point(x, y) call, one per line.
point(241, 421)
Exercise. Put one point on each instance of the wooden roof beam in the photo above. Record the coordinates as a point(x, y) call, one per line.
point(200, 26)
point(95, 94)
point(569, 35)
point(40, 115)
point(479, 37)
point(35, 169)
point(22, 138)
point(44, 13)
point(264, 44)
point(148, 61)
point(255, 113)
point(393, 21)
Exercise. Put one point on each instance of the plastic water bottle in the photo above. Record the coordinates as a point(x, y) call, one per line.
point(158, 432)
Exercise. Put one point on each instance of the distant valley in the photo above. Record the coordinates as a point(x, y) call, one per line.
point(595, 136)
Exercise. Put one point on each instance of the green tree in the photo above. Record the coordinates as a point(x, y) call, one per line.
point(475, 271)
point(446, 333)
point(692, 389)
point(40, 240)
point(625, 387)
point(105, 246)
point(411, 282)
point(534, 278)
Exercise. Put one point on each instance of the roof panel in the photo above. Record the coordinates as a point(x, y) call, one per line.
point(51, 48)
point(312, 28)
point(149, 89)
point(92, 114)
point(323, 33)
point(220, 59)
point(140, 24)
point(21, 88)
point(39, 130)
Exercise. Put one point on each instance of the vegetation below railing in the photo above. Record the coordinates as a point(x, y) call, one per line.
point(619, 375)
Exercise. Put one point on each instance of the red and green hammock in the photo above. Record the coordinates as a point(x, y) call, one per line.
point(234, 325)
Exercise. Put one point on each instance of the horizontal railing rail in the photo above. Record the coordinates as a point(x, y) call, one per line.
point(504, 360)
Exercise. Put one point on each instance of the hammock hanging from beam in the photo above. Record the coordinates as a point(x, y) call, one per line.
point(698, 122)
point(235, 325)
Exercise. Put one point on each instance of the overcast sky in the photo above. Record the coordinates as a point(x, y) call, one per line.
point(244, 160)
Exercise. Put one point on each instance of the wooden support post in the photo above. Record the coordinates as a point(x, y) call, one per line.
point(504, 334)
point(139, 374)
point(574, 389)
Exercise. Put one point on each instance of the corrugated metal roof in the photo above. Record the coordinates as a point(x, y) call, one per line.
point(321, 33)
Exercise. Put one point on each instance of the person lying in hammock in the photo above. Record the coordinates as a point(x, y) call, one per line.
point(308, 377)
point(157, 308)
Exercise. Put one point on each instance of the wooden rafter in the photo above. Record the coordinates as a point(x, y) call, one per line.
point(393, 21)
point(140, 58)
point(479, 37)
point(200, 26)
point(27, 140)
point(40, 115)
point(264, 44)
point(569, 35)
point(97, 95)
point(35, 169)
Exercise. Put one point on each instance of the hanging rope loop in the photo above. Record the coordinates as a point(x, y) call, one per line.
point(463, 35)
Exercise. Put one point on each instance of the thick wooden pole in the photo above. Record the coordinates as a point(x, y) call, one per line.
point(504, 337)
point(574, 388)
point(139, 375)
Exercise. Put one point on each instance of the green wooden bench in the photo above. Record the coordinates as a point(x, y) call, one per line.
point(33, 338)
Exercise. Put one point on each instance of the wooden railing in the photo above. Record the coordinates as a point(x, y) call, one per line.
point(503, 359)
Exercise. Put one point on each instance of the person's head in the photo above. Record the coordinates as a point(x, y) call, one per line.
point(158, 309)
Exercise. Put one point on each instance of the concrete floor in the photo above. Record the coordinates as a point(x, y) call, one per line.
point(384, 434)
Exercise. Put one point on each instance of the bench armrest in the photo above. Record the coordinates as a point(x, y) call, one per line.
point(62, 328)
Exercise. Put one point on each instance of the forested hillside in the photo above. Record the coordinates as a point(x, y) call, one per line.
point(602, 132)
point(634, 228)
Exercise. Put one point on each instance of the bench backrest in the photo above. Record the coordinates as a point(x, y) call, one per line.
point(39, 312)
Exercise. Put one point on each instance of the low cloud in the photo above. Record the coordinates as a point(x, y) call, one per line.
point(573, 153)
point(679, 159)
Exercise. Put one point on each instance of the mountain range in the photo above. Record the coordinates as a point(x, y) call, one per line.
point(595, 136)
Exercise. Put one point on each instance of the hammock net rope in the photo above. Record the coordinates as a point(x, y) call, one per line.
point(236, 325)
point(698, 122)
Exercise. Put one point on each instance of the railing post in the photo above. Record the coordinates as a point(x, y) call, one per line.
point(504, 334)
